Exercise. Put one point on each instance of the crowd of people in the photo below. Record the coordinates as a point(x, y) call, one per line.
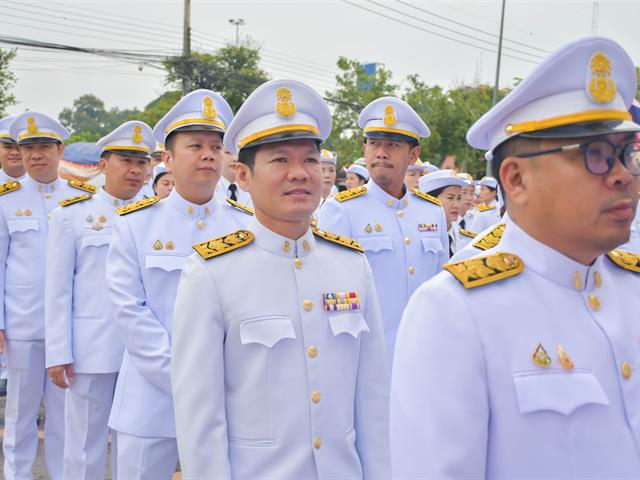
point(223, 304)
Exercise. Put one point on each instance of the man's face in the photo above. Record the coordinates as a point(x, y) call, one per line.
point(41, 160)
point(10, 158)
point(412, 179)
point(124, 175)
point(388, 160)
point(328, 177)
point(467, 198)
point(155, 160)
point(195, 159)
point(285, 182)
point(229, 162)
point(592, 212)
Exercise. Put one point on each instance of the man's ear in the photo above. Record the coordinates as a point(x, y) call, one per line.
point(167, 159)
point(102, 164)
point(415, 154)
point(243, 176)
point(514, 173)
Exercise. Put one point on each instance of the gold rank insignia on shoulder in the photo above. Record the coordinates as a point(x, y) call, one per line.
point(240, 206)
point(490, 239)
point(426, 196)
point(72, 200)
point(139, 205)
point(467, 233)
point(479, 271)
point(9, 187)
point(339, 239)
point(351, 193)
point(83, 186)
point(627, 260)
point(485, 208)
point(227, 243)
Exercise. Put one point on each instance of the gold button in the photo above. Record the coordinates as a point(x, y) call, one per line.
point(297, 262)
point(307, 305)
point(399, 213)
point(407, 240)
point(597, 279)
point(315, 397)
point(200, 224)
point(317, 442)
point(412, 270)
point(47, 195)
point(594, 303)
point(577, 281)
point(626, 370)
point(286, 247)
point(405, 202)
point(306, 246)
point(312, 351)
point(389, 202)
point(190, 210)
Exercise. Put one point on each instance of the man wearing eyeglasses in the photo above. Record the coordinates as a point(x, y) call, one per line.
point(529, 353)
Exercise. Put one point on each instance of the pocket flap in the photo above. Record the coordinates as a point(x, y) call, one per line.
point(376, 243)
point(431, 244)
point(562, 392)
point(266, 331)
point(348, 322)
point(165, 262)
point(95, 240)
point(23, 225)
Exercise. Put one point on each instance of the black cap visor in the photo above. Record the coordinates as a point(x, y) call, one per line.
point(283, 137)
point(127, 153)
point(390, 136)
point(32, 140)
point(7, 140)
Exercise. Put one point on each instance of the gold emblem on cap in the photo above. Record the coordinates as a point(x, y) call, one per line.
point(137, 134)
point(284, 103)
point(390, 118)
point(31, 125)
point(208, 108)
point(602, 88)
point(540, 357)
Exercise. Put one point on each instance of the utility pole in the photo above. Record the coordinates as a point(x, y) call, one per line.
point(594, 18)
point(496, 86)
point(237, 22)
point(186, 49)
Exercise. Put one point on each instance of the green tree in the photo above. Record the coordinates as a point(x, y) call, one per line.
point(355, 90)
point(7, 81)
point(233, 71)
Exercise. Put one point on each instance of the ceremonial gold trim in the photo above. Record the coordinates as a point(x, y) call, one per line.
point(280, 129)
point(240, 206)
point(227, 243)
point(468, 233)
point(392, 130)
point(139, 205)
point(425, 196)
point(490, 239)
point(83, 186)
point(206, 121)
point(8, 187)
point(351, 193)
point(5, 135)
point(135, 149)
point(338, 239)
point(72, 200)
point(478, 271)
point(627, 260)
point(535, 125)
point(40, 134)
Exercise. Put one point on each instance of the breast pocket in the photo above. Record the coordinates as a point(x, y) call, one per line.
point(267, 331)
point(560, 392)
point(25, 225)
point(95, 241)
point(168, 263)
point(351, 323)
point(432, 245)
point(376, 243)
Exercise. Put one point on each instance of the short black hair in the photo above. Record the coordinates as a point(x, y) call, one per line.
point(412, 142)
point(158, 177)
point(106, 154)
point(513, 146)
point(360, 177)
point(437, 191)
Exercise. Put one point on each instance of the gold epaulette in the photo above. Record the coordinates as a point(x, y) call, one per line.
point(218, 246)
point(339, 239)
point(87, 187)
point(351, 193)
point(72, 200)
point(475, 272)
point(9, 187)
point(627, 260)
point(485, 208)
point(139, 205)
point(491, 238)
point(467, 233)
point(241, 206)
point(426, 196)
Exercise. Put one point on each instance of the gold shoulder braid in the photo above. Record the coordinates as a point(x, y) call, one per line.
point(227, 243)
point(351, 193)
point(627, 260)
point(83, 186)
point(468, 233)
point(139, 205)
point(483, 270)
point(72, 200)
point(9, 187)
point(485, 208)
point(490, 239)
point(426, 196)
point(241, 206)
point(339, 239)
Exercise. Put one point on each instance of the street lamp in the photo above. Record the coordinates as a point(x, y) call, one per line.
point(237, 22)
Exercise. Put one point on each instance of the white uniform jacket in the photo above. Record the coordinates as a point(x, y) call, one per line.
point(78, 328)
point(146, 255)
point(267, 383)
point(405, 241)
point(468, 398)
point(23, 248)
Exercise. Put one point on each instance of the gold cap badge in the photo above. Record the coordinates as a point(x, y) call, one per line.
point(390, 118)
point(137, 134)
point(31, 125)
point(602, 88)
point(208, 107)
point(284, 103)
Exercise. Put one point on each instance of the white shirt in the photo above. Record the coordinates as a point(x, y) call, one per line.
point(222, 193)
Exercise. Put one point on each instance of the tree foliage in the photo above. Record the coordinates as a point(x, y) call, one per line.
point(7, 81)
point(232, 71)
